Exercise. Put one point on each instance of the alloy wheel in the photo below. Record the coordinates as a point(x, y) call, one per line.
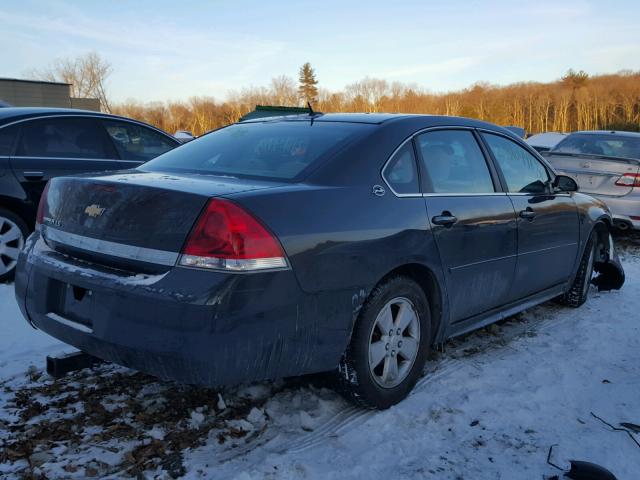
point(11, 243)
point(394, 342)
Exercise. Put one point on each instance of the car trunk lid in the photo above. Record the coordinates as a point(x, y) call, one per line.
point(136, 221)
point(595, 174)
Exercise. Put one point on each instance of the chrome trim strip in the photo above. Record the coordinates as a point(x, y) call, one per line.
point(113, 249)
point(68, 158)
point(480, 262)
point(546, 194)
point(489, 194)
point(548, 249)
point(76, 326)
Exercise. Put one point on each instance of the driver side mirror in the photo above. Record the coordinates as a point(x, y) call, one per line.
point(563, 183)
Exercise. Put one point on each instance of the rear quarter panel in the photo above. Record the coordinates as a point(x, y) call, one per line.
point(344, 237)
point(340, 238)
point(341, 242)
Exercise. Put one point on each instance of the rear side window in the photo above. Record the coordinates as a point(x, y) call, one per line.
point(522, 171)
point(7, 140)
point(135, 142)
point(279, 150)
point(454, 162)
point(401, 172)
point(64, 138)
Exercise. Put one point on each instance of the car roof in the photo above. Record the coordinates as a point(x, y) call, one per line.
point(423, 120)
point(11, 114)
point(330, 117)
point(610, 132)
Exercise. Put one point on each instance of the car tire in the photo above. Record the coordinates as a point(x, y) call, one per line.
point(13, 234)
point(380, 368)
point(579, 291)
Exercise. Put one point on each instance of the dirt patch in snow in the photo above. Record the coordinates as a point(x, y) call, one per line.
point(111, 421)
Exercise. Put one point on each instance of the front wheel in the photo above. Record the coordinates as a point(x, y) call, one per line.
point(389, 345)
point(579, 291)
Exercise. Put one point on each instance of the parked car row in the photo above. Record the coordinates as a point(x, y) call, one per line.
point(275, 247)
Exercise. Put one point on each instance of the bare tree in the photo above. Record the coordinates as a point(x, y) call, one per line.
point(370, 92)
point(86, 73)
point(284, 91)
point(577, 101)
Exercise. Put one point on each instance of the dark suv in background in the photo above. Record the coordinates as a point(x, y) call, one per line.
point(37, 144)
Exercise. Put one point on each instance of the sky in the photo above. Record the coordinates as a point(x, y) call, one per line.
point(172, 50)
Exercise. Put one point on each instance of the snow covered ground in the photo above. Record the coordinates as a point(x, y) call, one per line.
point(488, 408)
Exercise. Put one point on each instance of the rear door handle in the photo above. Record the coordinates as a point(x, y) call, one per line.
point(445, 219)
point(33, 175)
point(528, 214)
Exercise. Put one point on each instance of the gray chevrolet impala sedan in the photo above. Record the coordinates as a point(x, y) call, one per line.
point(348, 243)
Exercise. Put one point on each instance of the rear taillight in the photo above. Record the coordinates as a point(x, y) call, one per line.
point(226, 237)
point(629, 180)
point(42, 206)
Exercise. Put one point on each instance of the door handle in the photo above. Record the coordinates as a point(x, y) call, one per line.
point(528, 214)
point(33, 175)
point(445, 219)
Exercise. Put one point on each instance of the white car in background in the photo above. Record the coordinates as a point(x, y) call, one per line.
point(183, 136)
point(543, 142)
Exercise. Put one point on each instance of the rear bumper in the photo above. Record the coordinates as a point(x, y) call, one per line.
point(625, 210)
point(188, 325)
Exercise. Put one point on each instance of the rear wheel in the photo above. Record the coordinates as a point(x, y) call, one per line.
point(389, 345)
point(579, 290)
point(13, 233)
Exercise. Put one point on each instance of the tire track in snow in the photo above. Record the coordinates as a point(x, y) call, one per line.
point(351, 417)
point(540, 320)
point(345, 420)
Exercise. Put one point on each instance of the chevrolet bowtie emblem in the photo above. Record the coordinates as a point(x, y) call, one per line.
point(94, 210)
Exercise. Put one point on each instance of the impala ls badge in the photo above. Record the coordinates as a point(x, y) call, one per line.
point(94, 210)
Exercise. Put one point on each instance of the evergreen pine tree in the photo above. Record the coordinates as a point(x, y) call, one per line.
point(307, 89)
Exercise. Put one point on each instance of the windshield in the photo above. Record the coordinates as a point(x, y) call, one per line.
point(279, 150)
point(609, 145)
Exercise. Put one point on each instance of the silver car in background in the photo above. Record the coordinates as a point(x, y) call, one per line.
point(606, 165)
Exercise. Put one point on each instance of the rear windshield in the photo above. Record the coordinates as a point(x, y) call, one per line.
point(609, 145)
point(279, 150)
